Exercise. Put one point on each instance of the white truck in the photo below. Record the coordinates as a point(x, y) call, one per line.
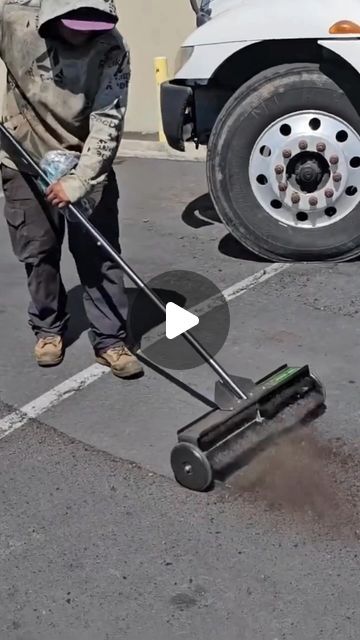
point(272, 88)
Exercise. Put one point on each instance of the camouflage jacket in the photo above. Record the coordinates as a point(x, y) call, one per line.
point(62, 97)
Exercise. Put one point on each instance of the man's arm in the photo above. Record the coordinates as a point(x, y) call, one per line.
point(106, 128)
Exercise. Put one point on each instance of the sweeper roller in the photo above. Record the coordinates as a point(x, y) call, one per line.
point(206, 448)
point(218, 443)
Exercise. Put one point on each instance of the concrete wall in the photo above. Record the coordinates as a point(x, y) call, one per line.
point(152, 28)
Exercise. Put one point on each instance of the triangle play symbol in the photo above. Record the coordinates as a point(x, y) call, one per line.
point(178, 320)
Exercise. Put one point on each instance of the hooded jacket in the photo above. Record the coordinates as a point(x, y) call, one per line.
point(61, 96)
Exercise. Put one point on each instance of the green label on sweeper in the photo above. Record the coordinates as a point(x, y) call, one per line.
point(280, 377)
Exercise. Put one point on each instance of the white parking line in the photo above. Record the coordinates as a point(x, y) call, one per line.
point(158, 332)
point(257, 278)
point(34, 409)
point(84, 378)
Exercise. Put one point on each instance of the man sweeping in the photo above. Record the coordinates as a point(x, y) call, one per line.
point(67, 84)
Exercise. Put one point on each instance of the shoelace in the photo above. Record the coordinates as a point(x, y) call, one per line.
point(49, 340)
point(121, 350)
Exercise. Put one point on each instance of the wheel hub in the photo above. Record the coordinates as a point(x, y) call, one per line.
point(309, 173)
point(305, 169)
point(191, 467)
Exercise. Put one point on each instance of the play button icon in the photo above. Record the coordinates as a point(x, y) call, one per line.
point(178, 321)
point(192, 303)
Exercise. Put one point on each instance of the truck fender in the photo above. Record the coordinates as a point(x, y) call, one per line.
point(309, 19)
point(239, 27)
point(349, 50)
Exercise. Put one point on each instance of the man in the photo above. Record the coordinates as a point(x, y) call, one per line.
point(67, 84)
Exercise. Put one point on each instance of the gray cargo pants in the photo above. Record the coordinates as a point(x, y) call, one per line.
point(37, 233)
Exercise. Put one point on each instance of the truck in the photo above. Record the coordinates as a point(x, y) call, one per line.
point(271, 88)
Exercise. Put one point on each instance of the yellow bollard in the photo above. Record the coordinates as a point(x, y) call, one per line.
point(161, 75)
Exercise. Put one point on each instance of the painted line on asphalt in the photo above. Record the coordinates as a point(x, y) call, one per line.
point(250, 282)
point(50, 399)
point(157, 333)
point(79, 381)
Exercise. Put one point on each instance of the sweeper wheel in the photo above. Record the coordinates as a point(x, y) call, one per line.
point(191, 467)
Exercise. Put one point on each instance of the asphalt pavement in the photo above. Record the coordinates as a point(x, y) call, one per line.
point(97, 541)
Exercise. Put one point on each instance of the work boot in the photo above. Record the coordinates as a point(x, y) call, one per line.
point(121, 361)
point(49, 351)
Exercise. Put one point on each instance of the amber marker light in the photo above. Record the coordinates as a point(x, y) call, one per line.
point(344, 27)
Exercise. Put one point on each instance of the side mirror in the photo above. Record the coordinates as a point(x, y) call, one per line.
point(202, 14)
point(201, 18)
point(195, 6)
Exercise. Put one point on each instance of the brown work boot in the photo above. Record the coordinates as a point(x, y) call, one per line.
point(49, 351)
point(121, 361)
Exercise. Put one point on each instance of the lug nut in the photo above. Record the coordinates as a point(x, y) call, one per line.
point(295, 198)
point(279, 169)
point(321, 147)
point(337, 177)
point(287, 153)
point(313, 201)
point(303, 145)
point(329, 193)
point(283, 186)
point(334, 159)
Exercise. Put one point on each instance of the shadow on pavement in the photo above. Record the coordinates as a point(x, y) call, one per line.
point(232, 248)
point(201, 213)
point(78, 321)
point(178, 383)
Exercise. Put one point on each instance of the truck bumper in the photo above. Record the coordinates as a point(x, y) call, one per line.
point(176, 107)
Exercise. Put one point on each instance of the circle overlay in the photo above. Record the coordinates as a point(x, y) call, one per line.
point(193, 292)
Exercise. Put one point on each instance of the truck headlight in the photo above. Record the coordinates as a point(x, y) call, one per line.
point(184, 54)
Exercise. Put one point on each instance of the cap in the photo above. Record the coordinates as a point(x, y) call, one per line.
point(88, 25)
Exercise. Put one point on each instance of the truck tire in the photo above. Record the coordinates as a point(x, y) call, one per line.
point(283, 166)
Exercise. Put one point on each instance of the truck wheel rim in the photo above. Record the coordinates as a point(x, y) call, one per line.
point(304, 169)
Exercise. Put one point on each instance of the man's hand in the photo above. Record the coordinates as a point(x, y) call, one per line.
point(57, 196)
